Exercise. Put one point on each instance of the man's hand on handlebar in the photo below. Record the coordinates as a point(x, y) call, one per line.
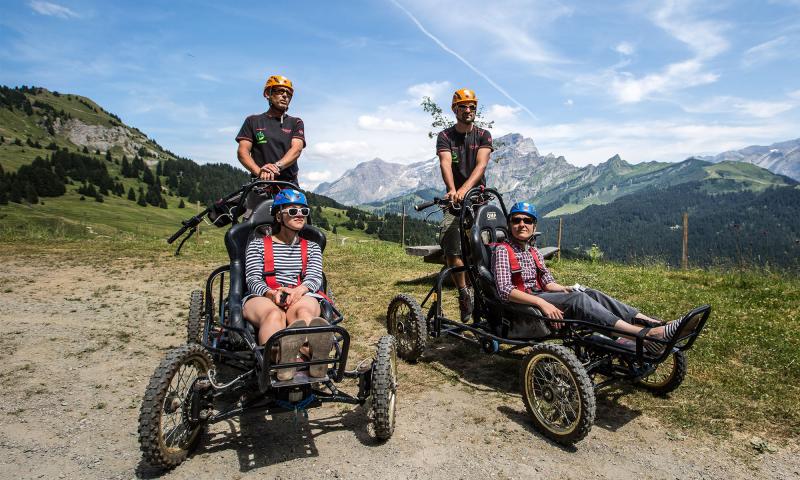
point(460, 193)
point(269, 171)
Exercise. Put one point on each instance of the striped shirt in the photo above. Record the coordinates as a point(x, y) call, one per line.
point(501, 269)
point(288, 265)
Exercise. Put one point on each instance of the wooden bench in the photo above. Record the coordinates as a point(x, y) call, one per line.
point(433, 253)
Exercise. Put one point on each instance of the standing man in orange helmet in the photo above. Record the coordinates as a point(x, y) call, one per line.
point(463, 151)
point(270, 143)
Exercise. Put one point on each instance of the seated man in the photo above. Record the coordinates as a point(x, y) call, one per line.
point(534, 285)
point(285, 292)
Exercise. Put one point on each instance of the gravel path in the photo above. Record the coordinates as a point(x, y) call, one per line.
point(81, 342)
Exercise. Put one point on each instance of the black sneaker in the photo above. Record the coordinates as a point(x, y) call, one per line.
point(465, 303)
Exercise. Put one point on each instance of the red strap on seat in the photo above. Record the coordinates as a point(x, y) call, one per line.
point(516, 270)
point(539, 269)
point(269, 262)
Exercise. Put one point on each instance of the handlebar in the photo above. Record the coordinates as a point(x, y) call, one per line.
point(424, 205)
point(187, 224)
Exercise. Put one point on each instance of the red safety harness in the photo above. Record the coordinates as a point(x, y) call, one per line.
point(269, 265)
point(516, 270)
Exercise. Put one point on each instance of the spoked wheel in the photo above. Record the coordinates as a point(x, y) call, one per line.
point(166, 431)
point(404, 320)
point(384, 388)
point(668, 375)
point(558, 393)
point(194, 327)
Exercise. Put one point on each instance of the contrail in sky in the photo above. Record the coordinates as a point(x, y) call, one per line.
point(462, 59)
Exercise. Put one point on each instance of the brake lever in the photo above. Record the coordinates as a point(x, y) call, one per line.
point(187, 237)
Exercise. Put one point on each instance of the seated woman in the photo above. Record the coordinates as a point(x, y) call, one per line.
point(287, 296)
point(557, 301)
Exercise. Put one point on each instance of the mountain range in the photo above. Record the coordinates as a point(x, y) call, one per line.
point(518, 171)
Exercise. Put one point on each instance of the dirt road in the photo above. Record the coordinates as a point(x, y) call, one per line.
point(82, 335)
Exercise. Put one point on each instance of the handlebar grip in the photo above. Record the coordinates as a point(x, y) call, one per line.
point(177, 234)
point(424, 205)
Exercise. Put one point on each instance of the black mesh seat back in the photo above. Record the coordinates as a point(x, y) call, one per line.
point(236, 240)
point(489, 227)
point(314, 234)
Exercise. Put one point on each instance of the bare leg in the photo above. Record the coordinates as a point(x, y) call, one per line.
point(266, 316)
point(305, 309)
point(458, 277)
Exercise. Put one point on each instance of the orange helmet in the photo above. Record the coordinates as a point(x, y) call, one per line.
point(464, 95)
point(278, 81)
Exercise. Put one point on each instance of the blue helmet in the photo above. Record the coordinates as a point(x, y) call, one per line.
point(523, 207)
point(289, 196)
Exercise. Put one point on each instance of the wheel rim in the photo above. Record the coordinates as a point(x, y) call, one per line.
point(401, 320)
point(393, 390)
point(553, 394)
point(176, 432)
point(662, 374)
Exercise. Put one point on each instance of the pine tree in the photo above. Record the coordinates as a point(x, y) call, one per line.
point(147, 177)
point(163, 203)
point(30, 194)
point(131, 195)
point(109, 158)
point(141, 202)
point(159, 169)
point(181, 205)
point(126, 168)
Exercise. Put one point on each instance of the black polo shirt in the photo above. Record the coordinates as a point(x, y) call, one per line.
point(463, 148)
point(272, 137)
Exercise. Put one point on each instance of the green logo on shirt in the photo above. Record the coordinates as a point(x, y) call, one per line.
point(454, 154)
point(260, 138)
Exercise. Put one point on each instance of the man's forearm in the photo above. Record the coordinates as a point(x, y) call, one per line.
point(247, 162)
point(447, 174)
point(518, 296)
point(289, 157)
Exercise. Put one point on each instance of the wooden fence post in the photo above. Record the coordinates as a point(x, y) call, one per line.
point(560, 224)
point(685, 253)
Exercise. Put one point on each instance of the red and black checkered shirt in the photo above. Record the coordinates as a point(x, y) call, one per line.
point(501, 268)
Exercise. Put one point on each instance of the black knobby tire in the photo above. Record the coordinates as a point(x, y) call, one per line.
point(165, 435)
point(558, 394)
point(404, 320)
point(195, 324)
point(668, 375)
point(384, 387)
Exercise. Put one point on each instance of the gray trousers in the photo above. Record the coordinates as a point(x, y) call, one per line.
point(591, 305)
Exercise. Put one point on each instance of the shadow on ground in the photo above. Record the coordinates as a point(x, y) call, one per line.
point(261, 440)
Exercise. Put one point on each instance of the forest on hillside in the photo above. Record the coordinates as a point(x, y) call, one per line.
point(742, 228)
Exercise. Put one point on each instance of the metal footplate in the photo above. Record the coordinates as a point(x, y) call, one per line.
point(300, 378)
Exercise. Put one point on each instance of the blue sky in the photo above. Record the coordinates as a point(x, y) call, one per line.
point(655, 80)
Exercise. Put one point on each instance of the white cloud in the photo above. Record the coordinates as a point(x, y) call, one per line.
point(625, 48)
point(765, 52)
point(53, 10)
point(340, 150)
point(229, 129)
point(370, 122)
point(502, 113)
point(463, 60)
point(569, 102)
point(705, 40)
point(310, 180)
point(742, 106)
point(433, 90)
point(208, 77)
point(595, 141)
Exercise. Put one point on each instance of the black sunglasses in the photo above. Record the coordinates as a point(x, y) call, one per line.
point(467, 107)
point(295, 211)
point(525, 220)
